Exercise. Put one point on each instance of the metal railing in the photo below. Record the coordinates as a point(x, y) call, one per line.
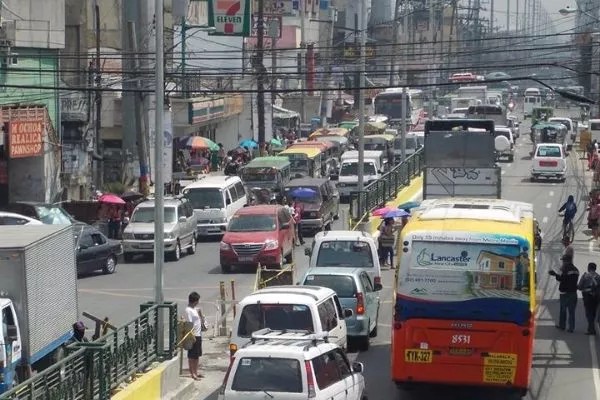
point(385, 188)
point(93, 370)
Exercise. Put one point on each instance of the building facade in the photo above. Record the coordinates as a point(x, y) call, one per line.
point(32, 36)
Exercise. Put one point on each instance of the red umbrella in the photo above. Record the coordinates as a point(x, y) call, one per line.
point(110, 198)
point(381, 211)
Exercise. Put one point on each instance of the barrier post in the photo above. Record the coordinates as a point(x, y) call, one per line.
point(233, 296)
point(223, 328)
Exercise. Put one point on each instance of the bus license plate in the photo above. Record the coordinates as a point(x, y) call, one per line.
point(418, 356)
point(460, 351)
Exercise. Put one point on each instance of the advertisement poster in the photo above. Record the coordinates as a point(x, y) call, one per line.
point(458, 271)
point(229, 17)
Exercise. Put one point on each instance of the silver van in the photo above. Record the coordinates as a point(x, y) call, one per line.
point(179, 229)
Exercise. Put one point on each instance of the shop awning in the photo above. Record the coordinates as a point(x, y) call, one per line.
point(282, 113)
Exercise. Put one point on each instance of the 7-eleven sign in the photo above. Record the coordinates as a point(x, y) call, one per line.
point(229, 17)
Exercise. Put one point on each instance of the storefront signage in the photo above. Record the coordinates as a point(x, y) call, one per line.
point(25, 138)
point(74, 108)
point(229, 17)
point(206, 110)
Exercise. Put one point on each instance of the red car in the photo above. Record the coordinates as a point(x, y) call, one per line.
point(258, 234)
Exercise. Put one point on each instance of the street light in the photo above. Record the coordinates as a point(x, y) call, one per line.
point(568, 11)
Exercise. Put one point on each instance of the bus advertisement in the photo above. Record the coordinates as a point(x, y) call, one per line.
point(465, 295)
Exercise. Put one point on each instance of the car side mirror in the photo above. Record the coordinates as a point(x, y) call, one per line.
point(348, 312)
point(182, 219)
point(377, 287)
point(82, 247)
point(358, 367)
point(11, 333)
point(307, 252)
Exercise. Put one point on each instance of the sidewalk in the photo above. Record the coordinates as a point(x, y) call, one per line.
point(213, 365)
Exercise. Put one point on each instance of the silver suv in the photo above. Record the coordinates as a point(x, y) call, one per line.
point(180, 229)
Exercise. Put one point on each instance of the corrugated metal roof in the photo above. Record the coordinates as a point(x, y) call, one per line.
point(19, 236)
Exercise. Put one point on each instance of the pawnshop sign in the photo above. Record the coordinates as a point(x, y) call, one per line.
point(25, 138)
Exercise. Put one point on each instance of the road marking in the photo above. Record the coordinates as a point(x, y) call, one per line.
point(595, 369)
point(551, 193)
point(548, 205)
point(544, 220)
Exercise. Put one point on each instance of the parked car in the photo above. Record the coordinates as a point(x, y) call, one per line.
point(355, 291)
point(310, 308)
point(297, 365)
point(50, 214)
point(95, 251)
point(9, 218)
point(549, 161)
point(321, 209)
point(179, 228)
point(258, 234)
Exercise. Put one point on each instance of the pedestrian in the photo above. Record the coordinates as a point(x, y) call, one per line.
point(589, 284)
point(221, 156)
point(114, 222)
point(568, 279)
point(568, 252)
point(78, 333)
point(593, 217)
point(193, 314)
point(387, 241)
point(298, 210)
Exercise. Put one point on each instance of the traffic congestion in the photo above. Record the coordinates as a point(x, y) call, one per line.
point(373, 311)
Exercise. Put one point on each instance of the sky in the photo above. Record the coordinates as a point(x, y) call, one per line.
point(552, 6)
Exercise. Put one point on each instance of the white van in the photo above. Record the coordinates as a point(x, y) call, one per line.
point(307, 308)
point(352, 249)
point(569, 124)
point(215, 199)
point(594, 127)
point(412, 145)
point(348, 176)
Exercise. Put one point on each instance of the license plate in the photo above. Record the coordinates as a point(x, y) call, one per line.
point(246, 259)
point(418, 356)
point(146, 245)
point(460, 351)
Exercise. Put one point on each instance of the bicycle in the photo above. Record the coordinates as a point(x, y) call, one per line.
point(568, 228)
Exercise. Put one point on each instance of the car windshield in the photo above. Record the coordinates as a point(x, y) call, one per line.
point(252, 223)
point(267, 374)
point(411, 143)
point(343, 285)
point(53, 215)
point(506, 134)
point(595, 126)
point(565, 122)
point(374, 146)
point(351, 169)
point(548, 151)
point(274, 316)
point(202, 198)
point(345, 253)
point(146, 215)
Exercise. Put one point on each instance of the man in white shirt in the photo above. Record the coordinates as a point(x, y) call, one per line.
point(194, 315)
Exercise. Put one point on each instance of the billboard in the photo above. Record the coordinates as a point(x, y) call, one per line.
point(229, 17)
point(25, 138)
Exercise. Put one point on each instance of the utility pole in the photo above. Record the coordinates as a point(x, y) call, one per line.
point(491, 17)
point(273, 72)
point(301, 6)
point(260, 78)
point(533, 17)
point(395, 46)
point(141, 138)
point(517, 21)
point(507, 16)
point(184, 86)
point(403, 126)
point(159, 187)
point(361, 96)
point(98, 102)
point(325, 94)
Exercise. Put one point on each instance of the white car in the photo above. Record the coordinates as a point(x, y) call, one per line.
point(549, 161)
point(292, 365)
point(569, 124)
point(8, 218)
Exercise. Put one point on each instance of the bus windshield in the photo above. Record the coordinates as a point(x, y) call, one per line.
point(489, 280)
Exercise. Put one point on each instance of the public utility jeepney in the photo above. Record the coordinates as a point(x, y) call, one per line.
point(266, 173)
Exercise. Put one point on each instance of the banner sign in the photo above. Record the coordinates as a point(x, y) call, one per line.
point(229, 17)
point(25, 138)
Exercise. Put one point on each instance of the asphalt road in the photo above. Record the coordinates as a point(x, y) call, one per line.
point(564, 366)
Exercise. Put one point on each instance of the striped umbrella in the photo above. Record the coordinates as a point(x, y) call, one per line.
point(201, 143)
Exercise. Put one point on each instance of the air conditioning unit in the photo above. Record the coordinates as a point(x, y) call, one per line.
point(7, 33)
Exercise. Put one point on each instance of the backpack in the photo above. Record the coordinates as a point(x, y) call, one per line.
point(570, 210)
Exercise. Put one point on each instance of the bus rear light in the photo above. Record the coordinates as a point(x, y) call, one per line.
point(525, 332)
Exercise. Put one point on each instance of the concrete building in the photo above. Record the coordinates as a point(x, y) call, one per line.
point(30, 40)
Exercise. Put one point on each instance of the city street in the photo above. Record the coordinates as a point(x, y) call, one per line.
point(565, 365)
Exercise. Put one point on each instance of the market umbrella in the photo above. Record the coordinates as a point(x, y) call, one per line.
point(396, 214)
point(382, 211)
point(303, 193)
point(249, 143)
point(409, 205)
point(201, 143)
point(131, 195)
point(276, 142)
point(110, 198)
